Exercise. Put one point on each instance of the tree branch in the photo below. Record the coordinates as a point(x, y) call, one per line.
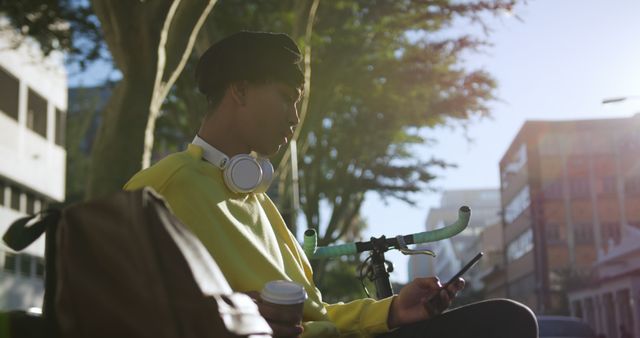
point(160, 88)
point(307, 80)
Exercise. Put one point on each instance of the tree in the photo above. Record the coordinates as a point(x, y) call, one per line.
point(65, 25)
point(162, 33)
point(83, 120)
point(374, 93)
point(149, 42)
point(341, 284)
point(374, 90)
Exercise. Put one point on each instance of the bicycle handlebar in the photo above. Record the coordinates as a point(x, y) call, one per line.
point(314, 252)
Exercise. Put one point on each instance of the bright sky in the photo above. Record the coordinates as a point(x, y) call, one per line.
point(558, 63)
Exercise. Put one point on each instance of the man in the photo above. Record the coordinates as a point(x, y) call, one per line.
point(252, 82)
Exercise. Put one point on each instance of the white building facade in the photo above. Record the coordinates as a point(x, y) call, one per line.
point(33, 104)
point(454, 252)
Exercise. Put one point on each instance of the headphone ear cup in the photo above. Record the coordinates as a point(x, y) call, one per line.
point(267, 174)
point(243, 174)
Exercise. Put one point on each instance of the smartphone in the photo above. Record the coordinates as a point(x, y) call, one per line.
point(464, 269)
point(435, 305)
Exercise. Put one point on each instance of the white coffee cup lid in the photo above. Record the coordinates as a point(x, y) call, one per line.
point(283, 292)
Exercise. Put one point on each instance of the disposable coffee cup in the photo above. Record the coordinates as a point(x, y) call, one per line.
point(285, 295)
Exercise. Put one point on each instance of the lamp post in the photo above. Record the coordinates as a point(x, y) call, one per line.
point(620, 179)
point(619, 99)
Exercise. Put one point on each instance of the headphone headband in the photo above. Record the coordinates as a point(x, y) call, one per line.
point(211, 154)
point(243, 173)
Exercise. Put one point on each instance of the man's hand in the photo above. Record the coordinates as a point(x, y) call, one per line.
point(421, 299)
point(283, 324)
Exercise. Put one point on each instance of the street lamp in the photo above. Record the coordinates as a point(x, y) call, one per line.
point(618, 99)
point(620, 180)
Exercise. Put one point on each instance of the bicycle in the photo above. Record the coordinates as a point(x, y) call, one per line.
point(376, 269)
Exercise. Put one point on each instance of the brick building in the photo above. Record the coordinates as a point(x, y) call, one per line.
point(568, 190)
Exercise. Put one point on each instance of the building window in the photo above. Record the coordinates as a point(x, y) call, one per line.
point(39, 266)
point(37, 205)
point(61, 127)
point(553, 233)
point(609, 311)
point(625, 306)
point(553, 190)
point(577, 309)
point(2, 186)
point(15, 198)
point(9, 93)
point(44, 204)
point(590, 311)
point(632, 186)
point(10, 262)
point(31, 201)
point(519, 204)
point(577, 164)
point(21, 264)
point(583, 233)
point(608, 185)
point(24, 262)
point(37, 113)
point(611, 232)
point(520, 246)
point(631, 141)
point(579, 187)
point(522, 287)
point(516, 163)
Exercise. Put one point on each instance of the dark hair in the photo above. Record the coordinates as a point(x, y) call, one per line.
point(255, 57)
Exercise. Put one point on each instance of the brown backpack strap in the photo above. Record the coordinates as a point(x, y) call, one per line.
point(22, 232)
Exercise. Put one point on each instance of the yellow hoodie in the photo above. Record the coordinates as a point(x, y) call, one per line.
point(249, 240)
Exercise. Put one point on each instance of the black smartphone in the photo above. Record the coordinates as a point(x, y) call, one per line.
point(464, 269)
point(435, 304)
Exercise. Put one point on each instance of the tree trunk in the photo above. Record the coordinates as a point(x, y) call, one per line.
point(117, 151)
point(132, 35)
point(132, 31)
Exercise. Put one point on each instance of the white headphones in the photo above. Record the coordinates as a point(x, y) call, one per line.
point(243, 173)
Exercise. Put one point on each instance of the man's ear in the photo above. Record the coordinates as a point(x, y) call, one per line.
point(238, 91)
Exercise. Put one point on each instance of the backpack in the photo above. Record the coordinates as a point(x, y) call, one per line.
point(125, 266)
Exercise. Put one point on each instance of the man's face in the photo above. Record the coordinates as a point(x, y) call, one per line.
point(269, 116)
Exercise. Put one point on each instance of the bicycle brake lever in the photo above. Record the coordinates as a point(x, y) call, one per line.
point(402, 247)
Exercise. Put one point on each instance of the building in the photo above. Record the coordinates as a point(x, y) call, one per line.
point(453, 253)
point(568, 190)
point(491, 267)
point(33, 101)
point(612, 299)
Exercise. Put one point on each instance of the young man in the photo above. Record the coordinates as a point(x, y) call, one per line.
point(252, 82)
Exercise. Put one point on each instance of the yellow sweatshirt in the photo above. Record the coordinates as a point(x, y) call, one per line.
point(249, 240)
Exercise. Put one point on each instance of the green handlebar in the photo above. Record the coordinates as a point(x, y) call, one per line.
point(464, 214)
point(310, 242)
point(314, 252)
